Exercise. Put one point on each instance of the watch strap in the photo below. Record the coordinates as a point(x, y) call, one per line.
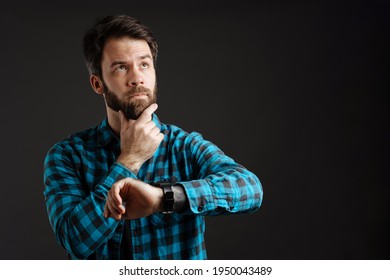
point(168, 198)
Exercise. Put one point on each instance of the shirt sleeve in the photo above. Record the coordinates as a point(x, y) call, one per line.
point(222, 186)
point(76, 212)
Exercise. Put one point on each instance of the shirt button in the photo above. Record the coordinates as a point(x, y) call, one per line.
point(200, 208)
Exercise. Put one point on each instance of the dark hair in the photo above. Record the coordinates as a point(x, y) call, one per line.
point(113, 26)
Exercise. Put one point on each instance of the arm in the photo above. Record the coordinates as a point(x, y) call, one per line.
point(129, 198)
point(221, 186)
point(75, 212)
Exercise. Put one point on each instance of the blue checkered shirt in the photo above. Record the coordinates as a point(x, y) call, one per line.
point(79, 171)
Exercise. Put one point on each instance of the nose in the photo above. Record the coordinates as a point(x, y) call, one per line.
point(135, 78)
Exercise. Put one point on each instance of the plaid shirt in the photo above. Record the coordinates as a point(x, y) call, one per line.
point(79, 171)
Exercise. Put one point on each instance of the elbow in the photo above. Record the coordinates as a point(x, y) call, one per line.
point(74, 246)
point(257, 194)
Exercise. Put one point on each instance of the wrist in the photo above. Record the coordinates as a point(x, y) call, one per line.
point(159, 207)
point(132, 165)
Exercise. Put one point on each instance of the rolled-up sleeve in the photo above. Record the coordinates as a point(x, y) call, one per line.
point(222, 186)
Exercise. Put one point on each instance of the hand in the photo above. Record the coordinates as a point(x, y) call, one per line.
point(132, 199)
point(139, 139)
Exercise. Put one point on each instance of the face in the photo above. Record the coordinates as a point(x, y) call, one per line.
point(129, 79)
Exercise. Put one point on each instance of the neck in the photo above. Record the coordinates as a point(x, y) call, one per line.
point(114, 121)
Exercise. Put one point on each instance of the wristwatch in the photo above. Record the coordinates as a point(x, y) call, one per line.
point(168, 199)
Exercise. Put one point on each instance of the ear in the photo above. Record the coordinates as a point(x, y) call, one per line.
point(96, 84)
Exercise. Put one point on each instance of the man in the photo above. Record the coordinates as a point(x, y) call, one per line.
point(133, 187)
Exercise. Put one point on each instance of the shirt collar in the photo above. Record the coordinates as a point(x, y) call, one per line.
point(105, 134)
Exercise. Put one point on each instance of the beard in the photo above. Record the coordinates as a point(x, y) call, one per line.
point(131, 108)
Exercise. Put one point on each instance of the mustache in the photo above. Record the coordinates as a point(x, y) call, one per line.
point(138, 89)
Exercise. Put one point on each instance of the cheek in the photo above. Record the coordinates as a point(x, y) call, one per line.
point(118, 84)
point(152, 81)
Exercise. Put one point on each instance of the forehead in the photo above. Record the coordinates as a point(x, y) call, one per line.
point(125, 48)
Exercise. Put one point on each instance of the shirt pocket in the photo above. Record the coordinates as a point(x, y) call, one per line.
point(160, 220)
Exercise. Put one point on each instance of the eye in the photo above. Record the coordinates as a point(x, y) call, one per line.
point(144, 65)
point(121, 68)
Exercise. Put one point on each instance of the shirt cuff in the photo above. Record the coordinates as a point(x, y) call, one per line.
point(180, 198)
point(116, 172)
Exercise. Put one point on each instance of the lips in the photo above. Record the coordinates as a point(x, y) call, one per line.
point(138, 94)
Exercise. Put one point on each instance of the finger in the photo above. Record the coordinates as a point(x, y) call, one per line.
point(119, 208)
point(122, 209)
point(150, 125)
point(115, 193)
point(147, 113)
point(119, 194)
point(114, 212)
point(116, 189)
point(105, 212)
point(160, 137)
point(154, 131)
point(113, 204)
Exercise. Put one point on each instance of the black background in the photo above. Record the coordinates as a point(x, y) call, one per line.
point(296, 92)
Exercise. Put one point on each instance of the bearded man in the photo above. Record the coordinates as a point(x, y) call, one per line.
point(133, 187)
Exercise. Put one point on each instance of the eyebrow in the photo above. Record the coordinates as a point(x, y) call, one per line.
point(118, 62)
point(145, 56)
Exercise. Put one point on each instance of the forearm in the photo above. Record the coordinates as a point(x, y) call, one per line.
point(76, 214)
point(233, 190)
point(130, 163)
point(220, 185)
point(82, 228)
